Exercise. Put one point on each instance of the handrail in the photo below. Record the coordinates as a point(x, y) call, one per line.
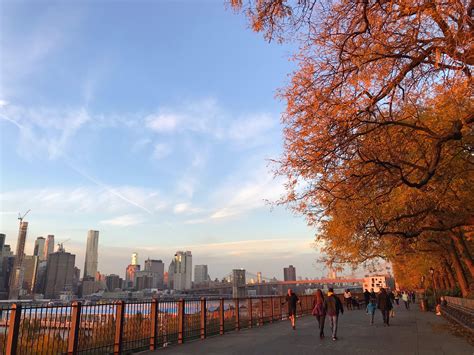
point(124, 327)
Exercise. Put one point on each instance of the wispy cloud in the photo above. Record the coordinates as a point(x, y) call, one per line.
point(163, 122)
point(124, 221)
point(161, 150)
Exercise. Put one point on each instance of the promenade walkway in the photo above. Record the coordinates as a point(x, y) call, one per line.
point(411, 332)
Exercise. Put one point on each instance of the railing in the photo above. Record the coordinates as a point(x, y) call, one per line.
point(460, 310)
point(124, 327)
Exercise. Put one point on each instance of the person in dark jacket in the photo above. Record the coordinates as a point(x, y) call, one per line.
point(366, 297)
point(385, 305)
point(333, 306)
point(292, 300)
point(319, 312)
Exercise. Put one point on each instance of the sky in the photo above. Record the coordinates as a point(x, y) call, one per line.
point(152, 122)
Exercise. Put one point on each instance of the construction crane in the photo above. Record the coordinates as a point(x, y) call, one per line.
point(20, 217)
point(60, 244)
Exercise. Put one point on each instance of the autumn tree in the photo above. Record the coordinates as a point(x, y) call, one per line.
point(378, 124)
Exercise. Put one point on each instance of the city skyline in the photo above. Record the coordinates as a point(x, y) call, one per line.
point(116, 142)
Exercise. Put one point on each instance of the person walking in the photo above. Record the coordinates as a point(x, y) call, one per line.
point(397, 297)
point(348, 299)
point(371, 307)
point(385, 305)
point(413, 297)
point(333, 306)
point(319, 312)
point(366, 297)
point(292, 300)
point(406, 300)
point(372, 293)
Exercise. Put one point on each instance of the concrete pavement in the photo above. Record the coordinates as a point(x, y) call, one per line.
point(410, 332)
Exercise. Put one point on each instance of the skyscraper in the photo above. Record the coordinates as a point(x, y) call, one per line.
point(2, 241)
point(39, 248)
point(200, 274)
point(134, 259)
point(183, 270)
point(157, 270)
point(92, 254)
point(59, 274)
point(289, 273)
point(16, 277)
point(48, 246)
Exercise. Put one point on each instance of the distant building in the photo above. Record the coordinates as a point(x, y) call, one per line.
point(143, 280)
point(259, 277)
point(16, 276)
point(378, 281)
point(30, 265)
point(130, 275)
point(170, 282)
point(40, 280)
point(90, 286)
point(6, 264)
point(113, 282)
point(200, 274)
point(238, 283)
point(135, 258)
point(157, 270)
point(183, 271)
point(48, 246)
point(289, 273)
point(39, 248)
point(92, 254)
point(59, 274)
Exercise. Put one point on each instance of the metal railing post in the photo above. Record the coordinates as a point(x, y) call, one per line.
point(237, 314)
point(154, 324)
point(261, 311)
point(281, 307)
point(180, 321)
point(13, 329)
point(271, 306)
point(75, 322)
point(119, 318)
point(249, 310)
point(203, 318)
point(221, 317)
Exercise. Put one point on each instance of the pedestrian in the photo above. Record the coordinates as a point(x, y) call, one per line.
point(385, 305)
point(413, 297)
point(391, 295)
point(292, 300)
point(348, 299)
point(366, 297)
point(372, 293)
point(319, 312)
point(371, 307)
point(333, 306)
point(405, 299)
point(397, 297)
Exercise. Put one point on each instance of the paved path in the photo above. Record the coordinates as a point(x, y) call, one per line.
point(410, 332)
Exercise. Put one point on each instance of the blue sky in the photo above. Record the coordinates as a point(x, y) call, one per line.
point(151, 121)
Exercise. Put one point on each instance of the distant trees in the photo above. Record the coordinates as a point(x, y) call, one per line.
point(379, 129)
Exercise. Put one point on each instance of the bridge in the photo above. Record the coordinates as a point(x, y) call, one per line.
point(276, 287)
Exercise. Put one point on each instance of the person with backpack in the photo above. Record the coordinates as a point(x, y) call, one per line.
point(333, 306)
point(319, 312)
point(385, 305)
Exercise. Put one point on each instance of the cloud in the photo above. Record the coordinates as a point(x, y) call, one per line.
point(239, 198)
point(163, 122)
point(251, 128)
point(3, 103)
point(84, 200)
point(185, 208)
point(124, 221)
point(161, 151)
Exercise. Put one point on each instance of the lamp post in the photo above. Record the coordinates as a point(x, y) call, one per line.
point(433, 284)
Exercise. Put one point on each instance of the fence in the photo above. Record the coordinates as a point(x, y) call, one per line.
point(126, 327)
point(460, 310)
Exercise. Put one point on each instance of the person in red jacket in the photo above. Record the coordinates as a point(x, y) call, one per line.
point(319, 312)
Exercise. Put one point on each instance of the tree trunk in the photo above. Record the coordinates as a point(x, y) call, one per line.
point(450, 274)
point(463, 251)
point(460, 276)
